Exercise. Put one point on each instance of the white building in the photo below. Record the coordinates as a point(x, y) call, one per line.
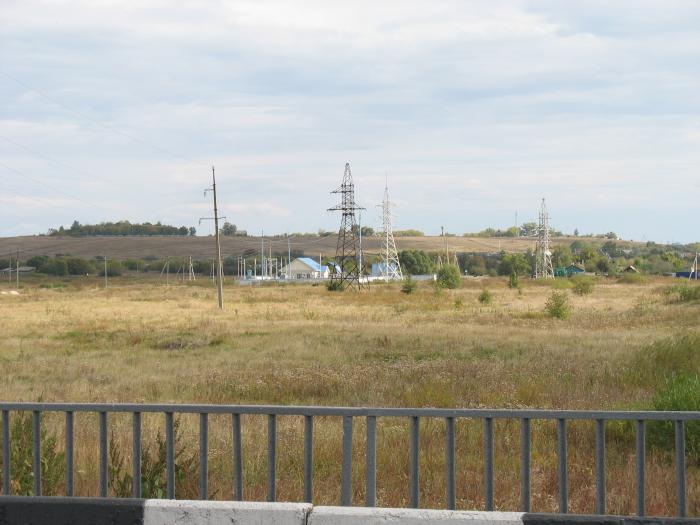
point(305, 268)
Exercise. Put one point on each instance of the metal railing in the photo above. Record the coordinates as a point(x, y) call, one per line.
point(450, 416)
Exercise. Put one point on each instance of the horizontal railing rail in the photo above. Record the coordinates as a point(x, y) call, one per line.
point(348, 415)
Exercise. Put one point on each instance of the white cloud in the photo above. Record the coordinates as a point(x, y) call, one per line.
point(475, 109)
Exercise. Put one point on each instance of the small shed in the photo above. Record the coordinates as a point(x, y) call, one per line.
point(305, 268)
point(568, 271)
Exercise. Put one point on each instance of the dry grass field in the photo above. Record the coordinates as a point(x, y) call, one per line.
point(203, 247)
point(140, 341)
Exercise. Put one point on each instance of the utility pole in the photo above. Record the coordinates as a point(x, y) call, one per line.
point(105, 258)
point(219, 270)
point(17, 268)
point(289, 257)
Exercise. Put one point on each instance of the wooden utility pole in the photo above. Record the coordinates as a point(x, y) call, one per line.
point(219, 273)
point(17, 265)
point(105, 258)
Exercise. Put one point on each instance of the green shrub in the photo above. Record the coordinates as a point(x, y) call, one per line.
point(334, 285)
point(114, 268)
point(78, 266)
point(582, 284)
point(154, 469)
point(21, 458)
point(558, 306)
point(485, 297)
point(449, 277)
point(684, 293)
point(666, 358)
point(679, 393)
point(513, 281)
point(631, 278)
point(54, 267)
point(409, 285)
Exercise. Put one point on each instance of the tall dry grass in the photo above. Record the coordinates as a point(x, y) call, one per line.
point(139, 341)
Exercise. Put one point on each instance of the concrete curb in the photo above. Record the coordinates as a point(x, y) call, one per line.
point(372, 516)
point(27, 510)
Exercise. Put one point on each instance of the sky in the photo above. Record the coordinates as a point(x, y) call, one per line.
point(473, 111)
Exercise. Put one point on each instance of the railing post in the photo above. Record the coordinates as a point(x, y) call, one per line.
point(69, 453)
point(104, 481)
point(450, 476)
point(6, 448)
point(271, 457)
point(488, 461)
point(237, 458)
point(371, 481)
point(203, 456)
point(346, 488)
point(308, 459)
point(641, 452)
point(600, 466)
point(680, 466)
point(36, 439)
point(170, 454)
point(136, 453)
point(563, 474)
point(525, 457)
point(415, 462)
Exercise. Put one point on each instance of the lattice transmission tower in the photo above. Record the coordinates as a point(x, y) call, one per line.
point(543, 255)
point(390, 266)
point(347, 250)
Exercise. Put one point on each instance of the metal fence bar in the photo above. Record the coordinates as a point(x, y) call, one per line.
point(103, 455)
point(641, 449)
point(6, 447)
point(680, 466)
point(170, 454)
point(203, 456)
point(450, 477)
point(308, 459)
point(562, 471)
point(237, 458)
point(525, 460)
point(281, 410)
point(488, 461)
point(600, 466)
point(371, 476)
point(415, 462)
point(346, 488)
point(36, 456)
point(136, 455)
point(271, 457)
point(69, 453)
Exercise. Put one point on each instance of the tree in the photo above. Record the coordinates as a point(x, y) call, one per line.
point(561, 256)
point(192, 231)
point(514, 263)
point(575, 232)
point(229, 229)
point(449, 277)
point(78, 266)
point(528, 228)
point(416, 262)
point(367, 231)
point(54, 267)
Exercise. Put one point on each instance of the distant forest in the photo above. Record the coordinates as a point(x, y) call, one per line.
point(121, 228)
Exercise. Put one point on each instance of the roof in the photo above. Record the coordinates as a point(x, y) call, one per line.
point(308, 261)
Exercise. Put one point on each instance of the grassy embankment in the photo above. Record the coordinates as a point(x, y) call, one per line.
point(144, 342)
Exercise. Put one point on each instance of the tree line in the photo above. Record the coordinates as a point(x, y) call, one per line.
point(122, 228)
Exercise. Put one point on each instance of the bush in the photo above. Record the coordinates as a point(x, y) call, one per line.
point(78, 266)
point(449, 277)
point(409, 285)
point(558, 306)
point(513, 281)
point(334, 285)
point(485, 297)
point(54, 267)
point(631, 278)
point(679, 393)
point(684, 293)
point(114, 268)
point(154, 469)
point(583, 285)
point(21, 456)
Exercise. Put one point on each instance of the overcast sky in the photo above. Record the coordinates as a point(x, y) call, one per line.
point(117, 110)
